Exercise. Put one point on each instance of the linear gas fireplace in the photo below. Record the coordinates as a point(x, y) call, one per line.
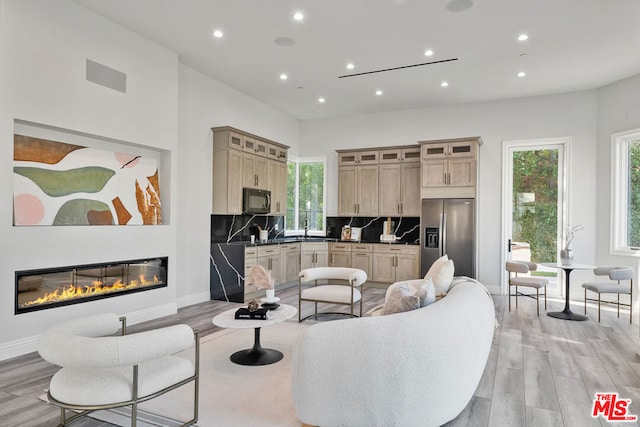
point(54, 287)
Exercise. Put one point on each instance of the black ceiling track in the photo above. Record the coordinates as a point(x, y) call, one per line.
point(397, 68)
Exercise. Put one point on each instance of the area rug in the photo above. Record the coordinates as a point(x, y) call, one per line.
point(230, 394)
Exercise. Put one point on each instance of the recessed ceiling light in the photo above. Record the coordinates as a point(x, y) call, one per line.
point(459, 5)
point(523, 37)
point(378, 92)
point(444, 84)
point(428, 52)
point(350, 66)
point(298, 16)
point(283, 76)
point(218, 34)
point(522, 74)
point(321, 100)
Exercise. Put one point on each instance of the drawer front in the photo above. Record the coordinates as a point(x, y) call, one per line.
point(397, 249)
point(314, 246)
point(268, 250)
point(340, 247)
point(361, 247)
point(250, 252)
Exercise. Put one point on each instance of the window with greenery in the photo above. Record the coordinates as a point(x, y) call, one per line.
point(305, 196)
point(535, 201)
point(625, 224)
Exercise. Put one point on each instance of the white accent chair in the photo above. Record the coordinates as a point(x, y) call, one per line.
point(617, 274)
point(104, 372)
point(524, 267)
point(343, 287)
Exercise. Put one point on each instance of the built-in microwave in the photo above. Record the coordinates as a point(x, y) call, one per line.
point(256, 201)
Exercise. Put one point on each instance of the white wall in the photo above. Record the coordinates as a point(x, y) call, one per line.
point(43, 49)
point(206, 103)
point(571, 115)
point(618, 110)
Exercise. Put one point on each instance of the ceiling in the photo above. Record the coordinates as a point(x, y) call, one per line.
point(573, 45)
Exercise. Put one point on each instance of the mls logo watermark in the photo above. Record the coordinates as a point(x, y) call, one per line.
point(612, 408)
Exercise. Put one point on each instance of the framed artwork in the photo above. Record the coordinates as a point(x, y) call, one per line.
point(55, 183)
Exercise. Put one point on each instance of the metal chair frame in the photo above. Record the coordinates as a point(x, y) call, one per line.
point(617, 302)
point(529, 267)
point(135, 400)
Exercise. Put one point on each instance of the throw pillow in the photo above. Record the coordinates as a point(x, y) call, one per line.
point(436, 266)
point(429, 292)
point(442, 274)
point(400, 298)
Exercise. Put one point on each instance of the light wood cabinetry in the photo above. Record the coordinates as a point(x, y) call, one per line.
point(362, 257)
point(269, 258)
point(449, 167)
point(393, 263)
point(250, 259)
point(339, 254)
point(313, 254)
point(241, 159)
point(359, 157)
point(358, 190)
point(277, 184)
point(399, 183)
point(290, 262)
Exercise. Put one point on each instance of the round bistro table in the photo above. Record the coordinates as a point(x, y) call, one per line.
point(256, 355)
point(567, 314)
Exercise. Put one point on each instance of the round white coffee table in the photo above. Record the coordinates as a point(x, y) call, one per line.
point(256, 355)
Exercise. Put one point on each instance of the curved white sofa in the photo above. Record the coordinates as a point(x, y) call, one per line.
point(418, 368)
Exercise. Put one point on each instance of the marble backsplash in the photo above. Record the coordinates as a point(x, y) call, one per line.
point(234, 228)
point(407, 229)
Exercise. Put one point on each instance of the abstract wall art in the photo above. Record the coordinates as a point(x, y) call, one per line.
point(55, 183)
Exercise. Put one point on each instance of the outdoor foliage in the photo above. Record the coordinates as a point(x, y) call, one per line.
point(535, 202)
point(310, 195)
point(633, 227)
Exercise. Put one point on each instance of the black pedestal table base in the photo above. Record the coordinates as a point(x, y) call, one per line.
point(256, 356)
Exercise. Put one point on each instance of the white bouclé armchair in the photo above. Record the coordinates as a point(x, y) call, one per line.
point(103, 372)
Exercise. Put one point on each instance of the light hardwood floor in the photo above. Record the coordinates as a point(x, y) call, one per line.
point(541, 371)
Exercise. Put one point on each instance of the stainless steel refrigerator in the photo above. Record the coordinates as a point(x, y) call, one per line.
point(447, 226)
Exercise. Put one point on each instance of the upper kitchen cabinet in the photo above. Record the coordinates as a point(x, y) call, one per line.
point(357, 157)
point(241, 159)
point(358, 190)
point(449, 167)
point(399, 181)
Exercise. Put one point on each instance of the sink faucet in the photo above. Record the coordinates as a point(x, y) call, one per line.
point(306, 228)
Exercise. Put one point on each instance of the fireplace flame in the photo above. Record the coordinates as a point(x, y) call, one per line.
point(68, 292)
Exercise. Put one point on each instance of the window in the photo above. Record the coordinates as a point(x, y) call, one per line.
point(305, 196)
point(625, 221)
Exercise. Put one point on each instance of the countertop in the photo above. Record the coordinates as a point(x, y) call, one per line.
point(285, 240)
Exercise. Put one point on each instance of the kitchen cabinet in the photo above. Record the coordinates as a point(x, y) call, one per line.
point(255, 146)
point(277, 184)
point(269, 258)
point(250, 259)
point(362, 257)
point(241, 159)
point(357, 157)
point(399, 185)
point(227, 179)
point(449, 167)
point(358, 190)
point(340, 254)
point(394, 263)
point(254, 171)
point(313, 254)
point(290, 262)
point(400, 154)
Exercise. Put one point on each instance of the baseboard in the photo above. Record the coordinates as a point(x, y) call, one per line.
point(27, 345)
point(193, 299)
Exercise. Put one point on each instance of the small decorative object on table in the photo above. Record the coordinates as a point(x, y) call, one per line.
point(247, 313)
point(566, 254)
point(261, 279)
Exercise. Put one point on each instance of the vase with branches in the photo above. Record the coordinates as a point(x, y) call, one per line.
point(566, 254)
point(261, 278)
